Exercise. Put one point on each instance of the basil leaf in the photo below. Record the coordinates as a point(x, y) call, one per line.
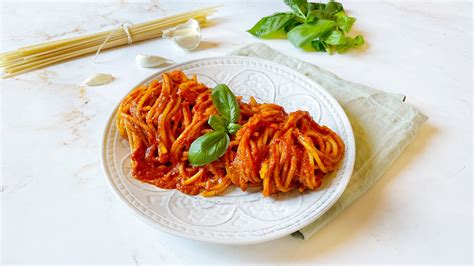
point(270, 26)
point(336, 41)
point(300, 7)
point(316, 6)
point(350, 43)
point(325, 11)
point(217, 122)
point(305, 33)
point(208, 148)
point(334, 7)
point(233, 128)
point(344, 22)
point(226, 103)
point(335, 38)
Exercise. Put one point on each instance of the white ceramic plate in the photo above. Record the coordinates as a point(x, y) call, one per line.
point(236, 217)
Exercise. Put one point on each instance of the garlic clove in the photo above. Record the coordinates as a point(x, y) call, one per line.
point(186, 36)
point(150, 60)
point(98, 79)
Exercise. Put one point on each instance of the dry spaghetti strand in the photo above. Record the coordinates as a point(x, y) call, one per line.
point(274, 150)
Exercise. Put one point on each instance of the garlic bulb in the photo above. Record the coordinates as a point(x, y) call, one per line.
point(98, 79)
point(186, 36)
point(150, 60)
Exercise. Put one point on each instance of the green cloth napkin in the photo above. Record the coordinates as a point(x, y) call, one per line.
point(383, 126)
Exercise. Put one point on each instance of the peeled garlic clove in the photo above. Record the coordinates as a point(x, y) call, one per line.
point(186, 36)
point(150, 60)
point(98, 79)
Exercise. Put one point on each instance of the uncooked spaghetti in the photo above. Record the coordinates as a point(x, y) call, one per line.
point(38, 56)
point(273, 150)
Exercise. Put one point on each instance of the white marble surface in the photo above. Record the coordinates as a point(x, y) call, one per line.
point(57, 207)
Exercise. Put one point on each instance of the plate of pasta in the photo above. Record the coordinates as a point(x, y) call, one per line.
point(231, 150)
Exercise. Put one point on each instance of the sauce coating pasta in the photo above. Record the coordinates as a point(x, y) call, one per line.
point(273, 150)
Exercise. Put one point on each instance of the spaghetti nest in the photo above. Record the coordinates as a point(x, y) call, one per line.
point(273, 150)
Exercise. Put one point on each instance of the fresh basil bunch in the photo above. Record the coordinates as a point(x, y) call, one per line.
point(318, 26)
point(211, 146)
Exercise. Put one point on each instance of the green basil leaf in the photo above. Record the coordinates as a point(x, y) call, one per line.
point(350, 43)
point(323, 11)
point(208, 148)
point(233, 128)
point(335, 38)
point(271, 26)
point(305, 33)
point(300, 7)
point(316, 6)
point(217, 122)
point(334, 7)
point(344, 22)
point(226, 103)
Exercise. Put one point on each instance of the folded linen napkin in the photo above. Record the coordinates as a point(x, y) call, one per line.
point(383, 126)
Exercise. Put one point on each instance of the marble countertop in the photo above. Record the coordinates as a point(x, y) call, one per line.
point(56, 206)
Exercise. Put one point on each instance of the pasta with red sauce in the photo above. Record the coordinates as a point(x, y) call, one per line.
point(273, 150)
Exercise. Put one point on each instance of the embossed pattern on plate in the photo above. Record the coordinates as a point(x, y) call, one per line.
point(236, 217)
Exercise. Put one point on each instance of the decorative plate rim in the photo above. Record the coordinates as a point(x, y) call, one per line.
point(328, 203)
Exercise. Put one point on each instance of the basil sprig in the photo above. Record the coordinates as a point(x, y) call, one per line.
point(318, 26)
point(211, 146)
